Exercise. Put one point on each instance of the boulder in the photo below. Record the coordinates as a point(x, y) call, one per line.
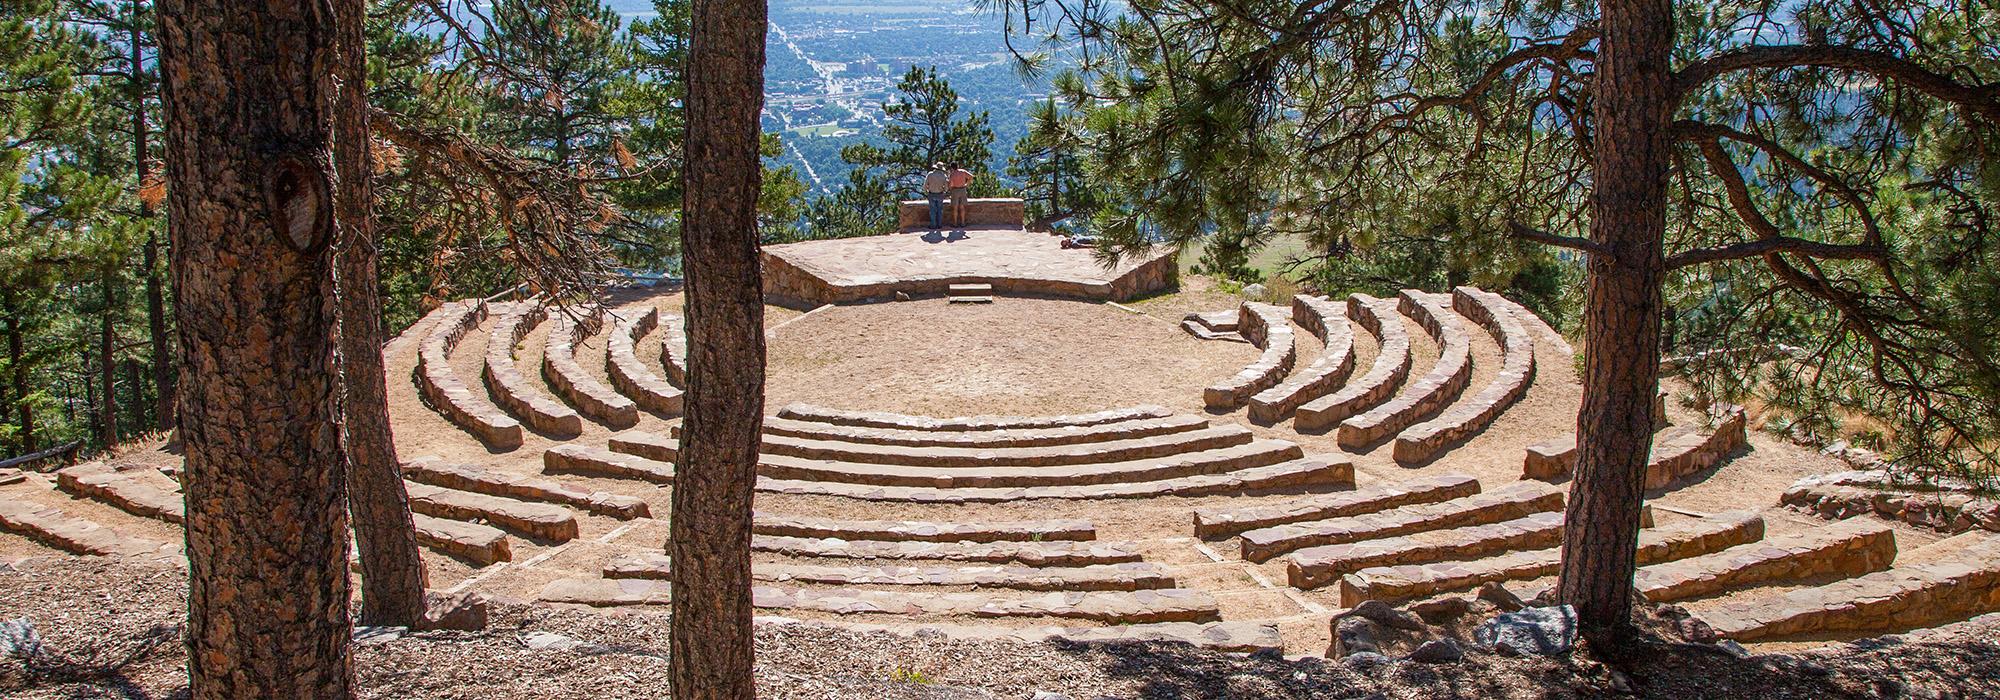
point(1438, 611)
point(464, 612)
point(1385, 615)
point(1437, 651)
point(1497, 594)
point(1355, 635)
point(1547, 631)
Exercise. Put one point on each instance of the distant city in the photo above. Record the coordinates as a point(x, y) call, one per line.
point(829, 66)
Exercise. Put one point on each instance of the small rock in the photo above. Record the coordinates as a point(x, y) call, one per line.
point(1355, 635)
point(1386, 615)
point(1500, 597)
point(464, 612)
point(1268, 654)
point(1539, 631)
point(378, 635)
point(1255, 291)
point(902, 296)
point(1046, 695)
point(1437, 651)
point(550, 641)
point(1734, 649)
point(1438, 611)
point(1365, 659)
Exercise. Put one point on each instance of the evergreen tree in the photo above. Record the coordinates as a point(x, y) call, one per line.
point(924, 128)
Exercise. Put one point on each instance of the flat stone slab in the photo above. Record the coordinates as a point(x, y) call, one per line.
point(144, 492)
point(1009, 261)
point(51, 526)
point(473, 542)
point(1314, 567)
point(1025, 553)
point(538, 520)
point(1223, 521)
point(1166, 605)
point(597, 461)
point(466, 477)
point(1677, 541)
point(1391, 367)
point(1845, 549)
point(1310, 472)
point(970, 300)
point(900, 421)
point(1131, 576)
point(1026, 437)
point(921, 531)
point(1515, 500)
point(1209, 438)
point(1957, 586)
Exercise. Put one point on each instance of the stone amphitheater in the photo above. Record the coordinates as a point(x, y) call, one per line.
point(1186, 467)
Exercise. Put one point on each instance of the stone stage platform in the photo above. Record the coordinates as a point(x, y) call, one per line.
point(1013, 261)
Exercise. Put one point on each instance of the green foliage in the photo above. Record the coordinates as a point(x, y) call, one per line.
point(924, 128)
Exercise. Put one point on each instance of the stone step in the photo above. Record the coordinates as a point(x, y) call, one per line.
point(1063, 553)
point(600, 462)
point(448, 394)
point(1676, 454)
point(473, 542)
point(537, 520)
point(1133, 576)
point(143, 491)
point(1268, 327)
point(1310, 473)
point(1254, 454)
point(1138, 448)
point(958, 299)
point(466, 477)
point(509, 386)
point(1030, 437)
point(1224, 321)
point(1680, 540)
point(1326, 320)
point(873, 419)
point(1167, 605)
point(630, 376)
point(575, 384)
point(1428, 394)
point(50, 526)
point(919, 531)
point(1391, 367)
point(1515, 500)
point(1845, 549)
point(1421, 442)
point(1223, 521)
point(1199, 331)
point(971, 289)
point(1314, 567)
point(1956, 586)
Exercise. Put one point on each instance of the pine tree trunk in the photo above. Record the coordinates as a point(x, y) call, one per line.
point(710, 539)
point(156, 298)
point(17, 363)
point(250, 105)
point(392, 569)
point(107, 364)
point(1622, 310)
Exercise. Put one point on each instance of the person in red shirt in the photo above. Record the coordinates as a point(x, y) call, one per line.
point(960, 184)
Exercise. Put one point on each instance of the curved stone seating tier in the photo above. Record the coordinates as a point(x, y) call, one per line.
point(1429, 393)
point(1516, 500)
point(1267, 327)
point(1023, 437)
point(674, 349)
point(1297, 475)
point(473, 542)
point(628, 374)
point(569, 379)
point(1314, 567)
point(1956, 586)
point(1392, 365)
point(1132, 576)
point(899, 421)
point(510, 387)
point(1327, 321)
point(1676, 454)
point(918, 531)
point(1252, 454)
point(1224, 521)
point(538, 520)
point(1845, 550)
point(1681, 540)
point(1464, 419)
point(982, 456)
point(585, 460)
point(1167, 605)
point(1060, 553)
point(1536, 325)
point(466, 477)
point(446, 393)
point(52, 527)
point(144, 492)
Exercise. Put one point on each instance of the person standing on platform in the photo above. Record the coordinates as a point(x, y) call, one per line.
point(936, 184)
point(961, 186)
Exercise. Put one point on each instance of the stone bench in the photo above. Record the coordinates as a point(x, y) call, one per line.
point(1166, 605)
point(1314, 567)
point(1213, 438)
point(674, 349)
point(1537, 325)
point(538, 520)
point(1026, 437)
point(569, 379)
point(472, 542)
point(1391, 367)
point(143, 491)
point(920, 531)
point(446, 393)
point(52, 527)
point(1516, 500)
point(1466, 418)
point(1029, 553)
point(1266, 327)
point(596, 461)
point(466, 477)
point(1253, 454)
point(628, 374)
point(1954, 586)
point(1132, 576)
point(898, 421)
point(1427, 394)
point(1845, 550)
point(1213, 325)
point(1327, 321)
point(1677, 541)
point(1310, 473)
point(980, 212)
point(1224, 521)
point(1676, 453)
point(512, 389)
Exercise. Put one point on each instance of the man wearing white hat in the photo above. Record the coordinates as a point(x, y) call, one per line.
point(936, 184)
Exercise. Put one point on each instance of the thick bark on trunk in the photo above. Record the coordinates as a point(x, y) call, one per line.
point(710, 538)
point(250, 107)
point(1622, 311)
point(108, 365)
point(392, 569)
